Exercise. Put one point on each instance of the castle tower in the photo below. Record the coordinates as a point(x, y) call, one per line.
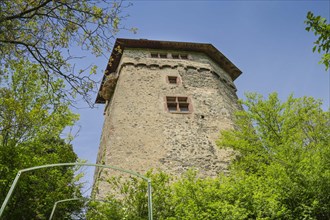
point(165, 104)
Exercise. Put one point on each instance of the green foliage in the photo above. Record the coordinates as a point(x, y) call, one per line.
point(31, 122)
point(45, 32)
point(288, 146)
point(190, 197)
point(321, 28)
point(280, 170)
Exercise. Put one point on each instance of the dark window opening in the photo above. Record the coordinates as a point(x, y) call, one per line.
point(172, 79)
point(184, 107)
point(158, 55)
point(184, 57)
point(183, 99)
point(180, 56)
point(171, 99)
point(172, 107)
point(175, 56)
point(154, 55)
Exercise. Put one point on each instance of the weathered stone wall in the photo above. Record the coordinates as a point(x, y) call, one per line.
point(140, 134)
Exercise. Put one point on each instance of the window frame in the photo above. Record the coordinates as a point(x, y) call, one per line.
point(170, 80)
point(178, 104)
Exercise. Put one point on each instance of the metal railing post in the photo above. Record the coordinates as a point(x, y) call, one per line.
point(149, 200)
point(11, 190)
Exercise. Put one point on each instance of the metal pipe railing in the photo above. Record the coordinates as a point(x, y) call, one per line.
point(12, 188)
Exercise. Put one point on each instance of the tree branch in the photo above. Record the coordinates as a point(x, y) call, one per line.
point(19, 15)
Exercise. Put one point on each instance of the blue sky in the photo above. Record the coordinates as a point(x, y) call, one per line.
point(265, 39)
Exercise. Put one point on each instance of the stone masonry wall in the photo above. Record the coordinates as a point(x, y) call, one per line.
point(140, 134)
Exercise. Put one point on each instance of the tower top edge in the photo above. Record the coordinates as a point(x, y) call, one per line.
point(206, 48)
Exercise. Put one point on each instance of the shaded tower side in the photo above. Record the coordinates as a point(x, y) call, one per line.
point(165, 112)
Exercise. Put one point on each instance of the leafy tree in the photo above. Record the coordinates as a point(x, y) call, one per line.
point(321, 28)
point(286, 145)
point(130, 200)
point(280, 170)
point(31, 122)
point(45, 32)
point(186, 197)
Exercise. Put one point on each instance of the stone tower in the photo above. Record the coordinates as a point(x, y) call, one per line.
point(165, 104)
